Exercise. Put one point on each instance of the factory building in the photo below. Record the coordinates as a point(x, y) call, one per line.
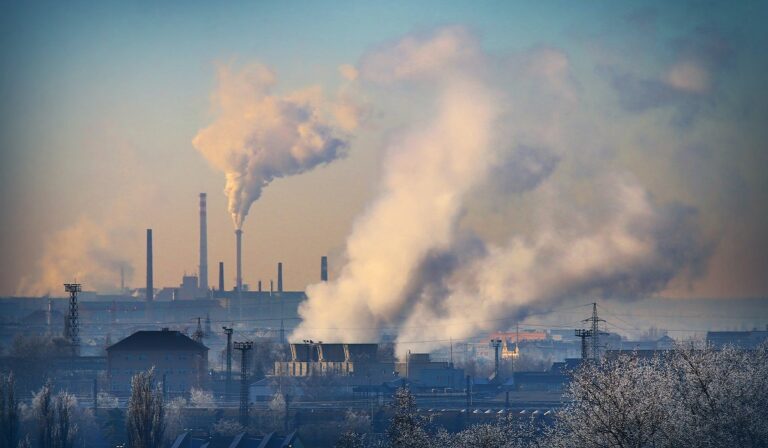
point(359, 360)
point(179, 362)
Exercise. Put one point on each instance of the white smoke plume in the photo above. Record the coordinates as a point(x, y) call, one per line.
point(426, 178)
point(410, 267)
point(259, 136)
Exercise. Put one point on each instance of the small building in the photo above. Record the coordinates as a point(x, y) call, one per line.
point(420, 369)
point(179, 362)
point(748, 340)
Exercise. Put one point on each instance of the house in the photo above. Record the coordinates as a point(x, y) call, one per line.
point(180, 363)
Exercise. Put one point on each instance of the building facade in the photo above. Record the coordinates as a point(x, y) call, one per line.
point(180, 363)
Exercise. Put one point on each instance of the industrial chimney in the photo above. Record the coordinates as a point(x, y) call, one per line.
point(150, 285)
point(323, 268)
point(221, 276)
point(203, 244)
point(238, 261)
point(279, 277)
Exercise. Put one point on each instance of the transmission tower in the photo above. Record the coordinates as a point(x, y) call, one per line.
point(228, 387)
point(197, 336)
point(595, 333)
point(73, 322)
point(244, 347)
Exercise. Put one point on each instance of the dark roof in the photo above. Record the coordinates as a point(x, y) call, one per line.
point(157, 340)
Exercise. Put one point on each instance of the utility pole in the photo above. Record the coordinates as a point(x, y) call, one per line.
point(584, 335)
point(73, 322)
point(244, 347)
point(228, 387)
point(496, 344)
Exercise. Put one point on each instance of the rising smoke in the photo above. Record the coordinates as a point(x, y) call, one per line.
point(260, 136)
point(410, 265)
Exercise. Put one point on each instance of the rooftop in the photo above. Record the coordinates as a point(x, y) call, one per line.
point(157, 340)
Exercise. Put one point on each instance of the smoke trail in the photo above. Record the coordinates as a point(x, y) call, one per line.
point(260, 136)
point(426, 178)
point(409, 267)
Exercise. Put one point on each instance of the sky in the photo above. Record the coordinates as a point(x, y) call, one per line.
point(595, 119)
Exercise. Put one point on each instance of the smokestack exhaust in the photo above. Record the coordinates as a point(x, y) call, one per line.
point(239, 260)
point(323, 268)
point(279, 277)
point(221, 276)
point(150, 284)
point(203, 244)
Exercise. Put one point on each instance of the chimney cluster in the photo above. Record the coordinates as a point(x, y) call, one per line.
point(203, 280)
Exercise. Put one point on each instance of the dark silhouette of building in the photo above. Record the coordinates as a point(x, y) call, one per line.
point(180, 362)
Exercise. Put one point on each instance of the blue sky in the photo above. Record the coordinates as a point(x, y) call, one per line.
point(101, 101)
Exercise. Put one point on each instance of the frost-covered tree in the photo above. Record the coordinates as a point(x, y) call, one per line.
point(9, 412)
point(56, 418)
point(200, 398)
point(407, 429)
point(43, 408)
point(350, 439)
point(145, 422)
point(65, 428)
point(690, 396)
point(174, 417)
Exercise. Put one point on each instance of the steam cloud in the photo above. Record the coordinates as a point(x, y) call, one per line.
point(87, 251)
point(260, 136)
point(409, 266)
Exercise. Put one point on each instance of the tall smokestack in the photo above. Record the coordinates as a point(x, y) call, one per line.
point(203, 244)
point(323, 268)
point(239, 260)
point(150, 285)
point(221, 276)
point(279, 277)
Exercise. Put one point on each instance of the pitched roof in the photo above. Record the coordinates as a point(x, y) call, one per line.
point(157, 340)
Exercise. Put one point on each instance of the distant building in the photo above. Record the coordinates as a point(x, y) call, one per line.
point(422, 371)
point(749, 340)
point(178, 360)
point(360, 360)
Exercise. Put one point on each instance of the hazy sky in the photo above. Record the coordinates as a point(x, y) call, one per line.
point(101, 102)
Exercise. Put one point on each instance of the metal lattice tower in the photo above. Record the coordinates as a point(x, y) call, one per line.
point(228, 388)
point(73, 321)
point(244, 348)
point(197, 336)
point(595, 334)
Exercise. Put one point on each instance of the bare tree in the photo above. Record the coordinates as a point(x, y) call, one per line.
point(9, 412)
point(145, 422)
